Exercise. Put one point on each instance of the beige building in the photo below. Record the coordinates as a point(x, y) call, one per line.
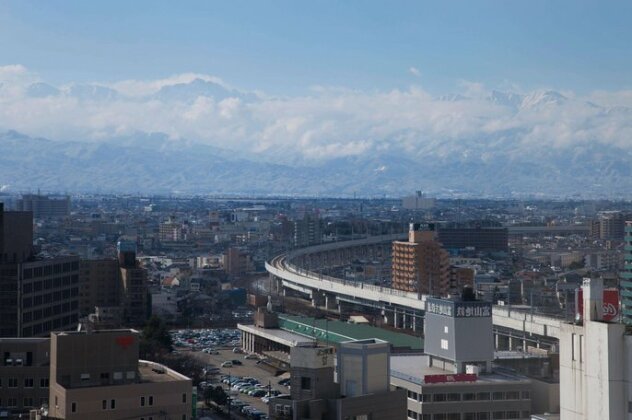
point(98, 376)
point(420, 265)
point(362, 391)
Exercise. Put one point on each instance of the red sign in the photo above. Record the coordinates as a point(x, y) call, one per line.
point(457, 377)
point(610, 304)
point(125, 341)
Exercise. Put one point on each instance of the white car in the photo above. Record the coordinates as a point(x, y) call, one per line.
point(251, 356)
point(227, 364)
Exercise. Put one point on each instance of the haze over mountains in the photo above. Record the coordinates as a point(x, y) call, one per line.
point(195, 134)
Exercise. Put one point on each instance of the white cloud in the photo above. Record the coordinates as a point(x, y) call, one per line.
point(414, 71)
point(327, 122)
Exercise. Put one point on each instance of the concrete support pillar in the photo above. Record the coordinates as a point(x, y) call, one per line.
point(414, 323)
point(496, 342)
point(395, 318)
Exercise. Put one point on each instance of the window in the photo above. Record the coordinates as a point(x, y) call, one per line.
point(104, 404)
point(454, 397)
point(43, 402)
point(412, 415)
point(412, 395)
point(184, 398)
point(425, 397)
point(453, 416)
point(438, 397)
point(105, 376)
point(512, 395)
point(131, 374)
point(12, 402)
point(444, 344)
point(526, 395)
point(513, 414)
point(469, 416)
point(498, 415)
point(85, 376)
point(498, 396)
point(184, 417)
point(445, 329)
point(44, 382)
point(73, 407)
point(27, 402)
point(151, 400)
point(112, 404)
point(469, 396)
point(13, 382)
point(306, 383)
point(482, 396)
point(118, 376)
point(28, 382)
point(142, 401)
point(483, 416)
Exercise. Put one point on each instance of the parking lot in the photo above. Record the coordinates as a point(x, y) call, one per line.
point(248, 368)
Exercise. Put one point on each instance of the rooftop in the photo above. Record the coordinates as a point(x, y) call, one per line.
point(413, 368)
point(155, 372)
point(336, 332)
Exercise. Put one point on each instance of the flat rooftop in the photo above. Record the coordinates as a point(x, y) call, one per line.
point(277, 335)
point(150, 372)
point(413, 368)
point(336, 332)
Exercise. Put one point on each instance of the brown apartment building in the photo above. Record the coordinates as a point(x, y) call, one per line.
point(98, 376)
point(421, 264)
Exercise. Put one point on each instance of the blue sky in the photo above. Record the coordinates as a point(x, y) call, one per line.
point(285, 47)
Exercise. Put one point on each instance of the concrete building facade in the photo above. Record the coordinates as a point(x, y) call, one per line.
point(595, 363)
point(365, 393)
point(99, 376)
point(44, 206)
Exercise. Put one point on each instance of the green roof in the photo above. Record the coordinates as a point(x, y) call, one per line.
point(335, 332)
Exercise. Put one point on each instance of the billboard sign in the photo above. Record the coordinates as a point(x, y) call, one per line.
point(610, 304)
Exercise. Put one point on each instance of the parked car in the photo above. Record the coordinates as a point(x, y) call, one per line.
point(227, 364)
point(237, 350)
point(237, 362)
point(251, 356)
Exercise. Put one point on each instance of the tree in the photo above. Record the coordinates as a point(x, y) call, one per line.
point(155, 338)
point(215, 394)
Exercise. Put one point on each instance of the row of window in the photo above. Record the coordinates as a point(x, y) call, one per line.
point(50, 270)
point(29, 316)
point(494, 415)
point(46, 326)
point(470, 396)
point(44, 299)
point(12, 402)
point(28, 382)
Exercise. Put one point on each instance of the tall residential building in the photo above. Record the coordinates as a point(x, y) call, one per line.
point(44, 206)
point(98, 376)
point(362, 391)
point(608, 226)
point(307, 231)
point(626, 277)
point(36, 295)
point(237, 262)
point(421, 264)
point(135, 299)
point(418, 202)
point(595, 369)
point(171, 231)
